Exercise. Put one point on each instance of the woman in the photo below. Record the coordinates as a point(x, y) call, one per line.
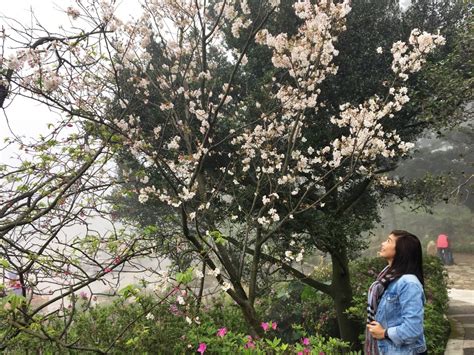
point(396, 299)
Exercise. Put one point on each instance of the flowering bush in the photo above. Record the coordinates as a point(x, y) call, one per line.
point(137, 323)
point(144, 325)
point(239, 343)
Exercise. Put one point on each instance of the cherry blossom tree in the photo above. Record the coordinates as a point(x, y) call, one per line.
point(336, 228)
point(231, 173)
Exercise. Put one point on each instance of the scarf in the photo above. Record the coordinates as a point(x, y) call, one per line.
point(375, 293)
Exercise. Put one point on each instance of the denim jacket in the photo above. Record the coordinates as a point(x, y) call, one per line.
point(400, 310)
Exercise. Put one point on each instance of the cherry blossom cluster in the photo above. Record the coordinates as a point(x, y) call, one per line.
point(409, 57)
point(272, 146)
point(307, 56)
point(367, 138)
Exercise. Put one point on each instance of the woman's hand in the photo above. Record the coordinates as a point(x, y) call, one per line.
point(376, 330)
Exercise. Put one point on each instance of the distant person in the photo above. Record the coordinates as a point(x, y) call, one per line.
point(13, 283)
point(396, 299)
point(431, 248)
point(444, 251)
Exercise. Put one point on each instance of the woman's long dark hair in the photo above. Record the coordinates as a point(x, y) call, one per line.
point(408, 255)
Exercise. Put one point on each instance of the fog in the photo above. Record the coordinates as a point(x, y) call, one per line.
point(445, 161)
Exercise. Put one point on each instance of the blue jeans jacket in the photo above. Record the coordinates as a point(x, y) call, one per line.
point(400, 310)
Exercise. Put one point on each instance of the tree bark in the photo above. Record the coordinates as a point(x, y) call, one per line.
point(251, 318)
point(341, 293)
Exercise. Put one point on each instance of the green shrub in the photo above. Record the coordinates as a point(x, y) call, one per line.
point(238, 343)
point(223, 311)
point(123, 325)
point(141, 324)
point(296, 303)
point(437, 326)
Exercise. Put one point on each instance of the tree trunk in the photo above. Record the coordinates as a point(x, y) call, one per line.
point(349, 329)
point(251, 318)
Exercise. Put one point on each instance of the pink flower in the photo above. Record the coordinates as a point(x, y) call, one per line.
point(264, 326)
point(300, 353)
point(202, 348)
point(222, 332)
point(305, 341)
point(174, 309)
point(250, 344)
point(83, 295)
point(322, 353)
point(274, 325)
point(107, 270)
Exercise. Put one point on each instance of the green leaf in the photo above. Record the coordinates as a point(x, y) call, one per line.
point(15, 301)
point(150, 230)
point(128, 291)
point(132, 341)
point(186, 276)
point(218, 237)
point(4, 263)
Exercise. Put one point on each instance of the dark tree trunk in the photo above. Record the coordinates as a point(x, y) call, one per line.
point(349, 329)
point(251, 318)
